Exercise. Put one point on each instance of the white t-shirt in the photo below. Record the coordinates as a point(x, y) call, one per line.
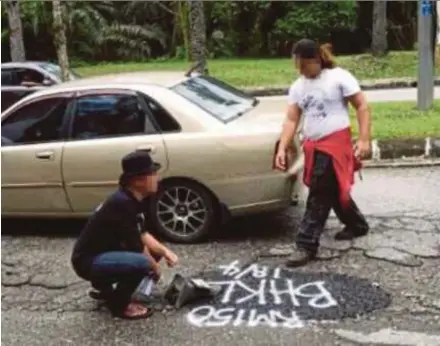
point(322, 101)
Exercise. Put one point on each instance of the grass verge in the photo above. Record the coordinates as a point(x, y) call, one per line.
point(402, 120)
point(273, 72)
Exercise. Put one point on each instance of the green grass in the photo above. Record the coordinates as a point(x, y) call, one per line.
point(273, 72)
point(402, 120)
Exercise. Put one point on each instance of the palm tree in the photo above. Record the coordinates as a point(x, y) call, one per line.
point(16, 41)
point(59, 31)
point(96, 29)
point(379, 44)
point(198, 35)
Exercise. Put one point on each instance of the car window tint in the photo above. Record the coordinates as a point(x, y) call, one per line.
point(215, 97)
point(163, 119)
point(100, 116)
point(28, 75)
point(7, 79)
point(37, 122)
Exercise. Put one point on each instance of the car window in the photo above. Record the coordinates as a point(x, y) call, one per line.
point(161, 117)
point(27, 75)
point(8, 78)
point(56, 70)
point(36, 122)
point(217, 98)
point(113, 115)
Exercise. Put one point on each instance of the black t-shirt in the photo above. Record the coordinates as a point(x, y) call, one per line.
point(116, 225)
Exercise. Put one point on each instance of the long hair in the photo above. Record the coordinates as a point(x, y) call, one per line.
point(326, 56)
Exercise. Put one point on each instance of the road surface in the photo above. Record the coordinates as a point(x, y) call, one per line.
point(391, 294)
point(382, 95)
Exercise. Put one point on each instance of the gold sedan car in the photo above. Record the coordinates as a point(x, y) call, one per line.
point(62, 147)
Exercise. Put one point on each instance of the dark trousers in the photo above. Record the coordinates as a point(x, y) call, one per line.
point(324, 196)
point(123, 268)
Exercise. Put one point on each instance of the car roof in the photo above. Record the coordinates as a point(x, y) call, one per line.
point(23, 63)
point(132, 81)
point(159, 78)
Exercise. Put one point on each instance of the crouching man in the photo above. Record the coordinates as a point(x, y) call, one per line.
point(114, 247)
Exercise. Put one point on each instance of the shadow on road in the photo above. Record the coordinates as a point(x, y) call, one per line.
point(257, 226)
point(43, 227)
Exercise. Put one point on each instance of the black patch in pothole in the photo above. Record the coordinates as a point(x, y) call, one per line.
point(261, 295)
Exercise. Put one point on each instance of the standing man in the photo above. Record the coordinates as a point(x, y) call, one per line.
point(114, 246)
point(321, 95)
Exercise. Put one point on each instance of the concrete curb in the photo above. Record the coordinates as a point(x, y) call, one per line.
point(400, 153)
point(377, 84)
point(401, 163)
point(402, 149)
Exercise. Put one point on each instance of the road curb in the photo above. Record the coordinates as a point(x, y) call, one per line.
point(402, 148)
point(377, 84)
point(401, 153)
point(401, 163)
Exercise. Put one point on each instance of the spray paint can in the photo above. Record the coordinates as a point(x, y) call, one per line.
point(146, 286)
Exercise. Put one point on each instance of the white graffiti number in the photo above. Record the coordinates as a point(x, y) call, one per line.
point(269, 286)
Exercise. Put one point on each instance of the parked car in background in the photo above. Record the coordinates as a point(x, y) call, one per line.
point(62, 147)
point(23, 78)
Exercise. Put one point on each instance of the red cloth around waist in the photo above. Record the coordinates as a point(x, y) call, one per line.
point(339, 146)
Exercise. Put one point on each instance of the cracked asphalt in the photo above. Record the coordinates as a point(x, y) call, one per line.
point(44, 303)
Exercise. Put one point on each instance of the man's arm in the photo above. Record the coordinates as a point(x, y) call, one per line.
point(153, 248)
point(152, 245)
point(352, 92)
point(359, 103)
point(293, 116)
point(290, 126)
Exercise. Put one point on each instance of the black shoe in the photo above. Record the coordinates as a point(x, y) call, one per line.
point(350, 234)
point(300, 258)
point(100, 295)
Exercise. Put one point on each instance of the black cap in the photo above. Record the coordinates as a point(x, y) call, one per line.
point(305, 49)
point(137, 163)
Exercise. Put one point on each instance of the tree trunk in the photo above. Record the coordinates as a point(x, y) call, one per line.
point(379, 44)
point(59, 32)
point(184, 26)
point(15, 31)
point(198, 35)
point(436, 25)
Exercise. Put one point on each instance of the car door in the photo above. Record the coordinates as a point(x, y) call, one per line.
point(12, 87)
point(32, 147)
point(107, 124)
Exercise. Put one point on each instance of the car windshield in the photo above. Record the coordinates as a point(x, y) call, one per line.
point(56, 70)
point(223, 101)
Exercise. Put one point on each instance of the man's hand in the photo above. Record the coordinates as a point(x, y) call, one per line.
point(155, 268)
point(280, 160)
point(362, 148)
point(171, 258)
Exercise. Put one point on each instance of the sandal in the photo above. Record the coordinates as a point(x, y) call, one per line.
point(137, 312)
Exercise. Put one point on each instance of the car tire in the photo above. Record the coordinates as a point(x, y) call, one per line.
point(183, 211)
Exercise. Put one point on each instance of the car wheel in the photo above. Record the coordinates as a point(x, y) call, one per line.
point(183, 211)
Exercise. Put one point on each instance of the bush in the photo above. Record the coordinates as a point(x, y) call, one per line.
point(315, 20)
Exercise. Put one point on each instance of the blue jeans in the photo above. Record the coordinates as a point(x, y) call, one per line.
point(123, 268)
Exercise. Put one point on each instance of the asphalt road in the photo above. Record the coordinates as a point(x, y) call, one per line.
point(381, 95)
point(391, 294)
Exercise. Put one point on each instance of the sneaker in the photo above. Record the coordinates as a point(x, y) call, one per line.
point(300, 258)
point(350, 234)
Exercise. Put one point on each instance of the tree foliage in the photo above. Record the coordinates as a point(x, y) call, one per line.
point(140, 30)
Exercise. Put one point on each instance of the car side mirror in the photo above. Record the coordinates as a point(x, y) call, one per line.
point(47, 82)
